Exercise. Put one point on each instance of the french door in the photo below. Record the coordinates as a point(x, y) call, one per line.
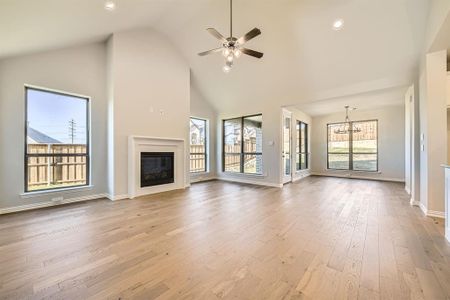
point(286, 154)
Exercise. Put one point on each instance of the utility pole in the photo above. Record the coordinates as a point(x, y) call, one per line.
point(72, 129)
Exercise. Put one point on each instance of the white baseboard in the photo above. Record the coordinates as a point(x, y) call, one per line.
point(436, 214)
point(300, 175)
point(414, 202)
point(355, 176)
point(432, 213)
point(248, 181)
point(407, 190)
point(50, 203)
point(195, 179)
point(117, 197)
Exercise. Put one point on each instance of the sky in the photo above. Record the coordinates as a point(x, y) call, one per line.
point(51, 113)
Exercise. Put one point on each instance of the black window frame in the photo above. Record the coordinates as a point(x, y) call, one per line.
point(299, 141)
point(242, 154)
point(205, 153)
point(351, 152)
point(56, 155)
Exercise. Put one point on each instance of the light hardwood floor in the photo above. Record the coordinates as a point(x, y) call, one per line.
point(320, 238)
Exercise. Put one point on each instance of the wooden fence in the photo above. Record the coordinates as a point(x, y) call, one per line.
point(197, 159)
point(48, 172)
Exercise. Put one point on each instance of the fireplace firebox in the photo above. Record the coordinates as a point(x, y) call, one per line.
point(157, 168)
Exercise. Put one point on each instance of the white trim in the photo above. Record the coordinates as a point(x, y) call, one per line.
point(202, 177)
point(254, 182)
point(118, 197)
point(436, 214)
point(407, 190)
point(137, 137)
point(414, 202)
point(301, 174)
point(137, 144)
point(50, 203)
point(351, 176)
point(431, 213)
point(245, 175)
point(54, 191)
point(423, 208)
point(37, 87)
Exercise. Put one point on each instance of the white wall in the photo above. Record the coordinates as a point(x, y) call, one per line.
point(433, 122)
point(412, 144)
point(80, 70)
point(391, 145)
point(409, 118)
point(201, 108)
point(437, 15)
point(448, 136)
point(271, 129)
point(448, 88)
point(150, 95)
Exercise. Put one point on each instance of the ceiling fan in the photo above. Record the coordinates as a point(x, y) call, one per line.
point(233, 47)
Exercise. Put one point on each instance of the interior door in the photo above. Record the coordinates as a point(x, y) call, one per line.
point(286, 147)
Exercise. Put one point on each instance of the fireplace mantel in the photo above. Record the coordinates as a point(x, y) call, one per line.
point(138, 144)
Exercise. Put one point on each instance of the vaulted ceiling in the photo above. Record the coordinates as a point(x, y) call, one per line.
point(305, 60)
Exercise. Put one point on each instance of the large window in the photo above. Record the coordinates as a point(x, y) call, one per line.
point(242, 145)
point(302, 146)
point(198, 146)
point(355, 149)
point(57, 140)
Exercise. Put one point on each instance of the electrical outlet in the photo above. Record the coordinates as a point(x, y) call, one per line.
point(57, 199)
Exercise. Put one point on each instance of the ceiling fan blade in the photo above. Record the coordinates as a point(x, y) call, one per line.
point(211, 51)
point(250, 35)
point(217, 35)
point(252, 52)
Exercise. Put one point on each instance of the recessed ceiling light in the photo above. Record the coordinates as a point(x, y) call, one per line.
point(110, 5)
point(338, 24)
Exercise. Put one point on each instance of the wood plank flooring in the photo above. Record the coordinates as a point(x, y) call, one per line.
point(319, 238)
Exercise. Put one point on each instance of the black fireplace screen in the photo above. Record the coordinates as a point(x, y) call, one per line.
point(157, 168)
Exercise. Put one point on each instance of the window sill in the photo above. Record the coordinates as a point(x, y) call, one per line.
point(193, 174)
point(353, 171)
point(55, 191)
point(245, 174)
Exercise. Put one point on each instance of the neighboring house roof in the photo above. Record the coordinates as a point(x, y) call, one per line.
point(37, 137)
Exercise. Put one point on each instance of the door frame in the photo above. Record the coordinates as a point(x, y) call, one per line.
point(286, 178)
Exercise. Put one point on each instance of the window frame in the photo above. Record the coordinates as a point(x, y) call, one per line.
point(300, 153)
point(206, 157)
point(241, 154)
point(50, 155)
point(351, 152)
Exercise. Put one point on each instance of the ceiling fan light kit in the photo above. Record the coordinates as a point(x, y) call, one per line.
point(232, 47)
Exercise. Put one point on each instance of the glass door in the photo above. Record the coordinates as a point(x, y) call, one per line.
point(286, 148)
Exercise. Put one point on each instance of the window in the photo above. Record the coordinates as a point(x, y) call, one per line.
point(357, 149)
point(302, 146)
point(57, 140)
point(242, 145)
point(198, 146)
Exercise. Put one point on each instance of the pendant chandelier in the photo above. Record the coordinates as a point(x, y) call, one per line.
point(347, 126)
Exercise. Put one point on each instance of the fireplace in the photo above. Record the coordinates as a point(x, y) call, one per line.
point(157, 168)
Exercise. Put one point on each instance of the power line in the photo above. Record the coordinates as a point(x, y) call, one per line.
point(72, 129)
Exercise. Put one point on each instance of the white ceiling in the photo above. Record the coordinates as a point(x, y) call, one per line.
point(305, 60)
point(365, 101)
